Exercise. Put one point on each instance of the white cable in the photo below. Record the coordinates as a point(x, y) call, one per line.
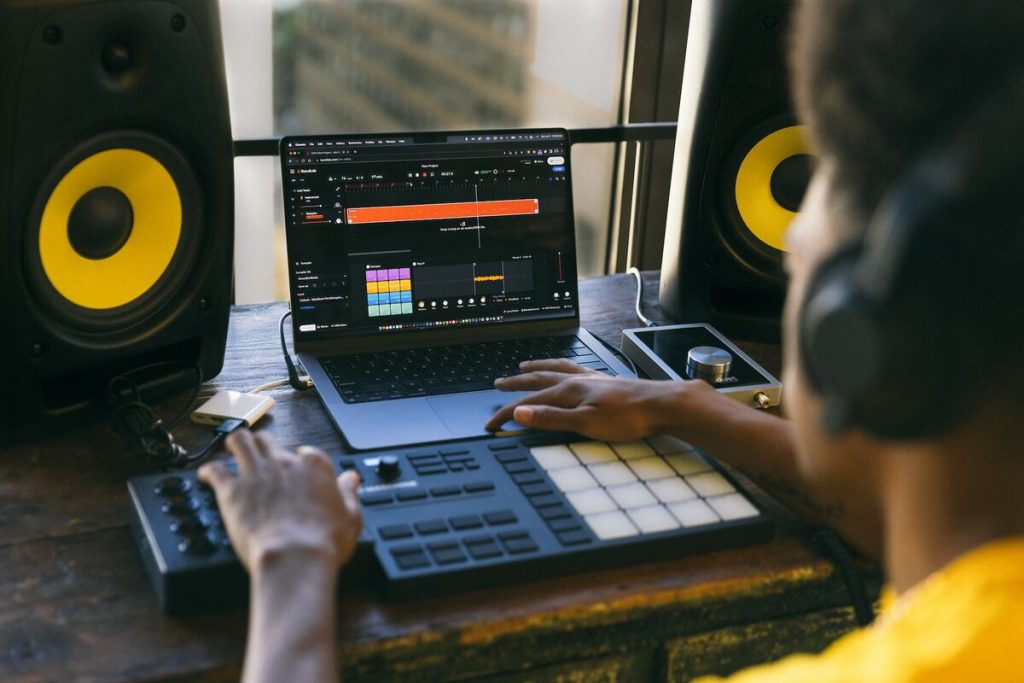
point(635, 272)
point(276, 383)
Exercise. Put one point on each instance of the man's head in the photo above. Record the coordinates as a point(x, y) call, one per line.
point(883, 82)
point(885, 85)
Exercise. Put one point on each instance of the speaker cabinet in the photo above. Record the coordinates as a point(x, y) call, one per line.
point(739, 172)
point(116, 201)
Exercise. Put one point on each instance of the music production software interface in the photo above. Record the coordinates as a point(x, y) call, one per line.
point(393, 233)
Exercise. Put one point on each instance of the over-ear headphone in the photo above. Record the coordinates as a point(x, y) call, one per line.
point(871, 342)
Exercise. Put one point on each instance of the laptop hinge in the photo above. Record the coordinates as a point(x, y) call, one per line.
point(413, 340)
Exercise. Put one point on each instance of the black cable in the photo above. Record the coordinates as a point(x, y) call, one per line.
point(293, 375)
point(829, 544)
point(635, 272)
point(146, 435)
point(122, 386)
point(221, 432)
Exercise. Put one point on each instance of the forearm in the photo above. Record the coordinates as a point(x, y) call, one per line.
point(761, 445)
point(291, 624)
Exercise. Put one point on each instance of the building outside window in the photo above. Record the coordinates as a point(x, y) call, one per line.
point(332, 66)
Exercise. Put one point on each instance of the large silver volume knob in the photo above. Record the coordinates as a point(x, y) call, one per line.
point(708, 363)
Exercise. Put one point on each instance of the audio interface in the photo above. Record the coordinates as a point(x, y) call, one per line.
point(699, 351)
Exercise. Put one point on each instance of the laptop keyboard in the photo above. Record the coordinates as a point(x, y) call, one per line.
point(407, 373)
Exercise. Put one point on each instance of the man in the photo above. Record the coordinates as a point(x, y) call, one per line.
point(914, 110)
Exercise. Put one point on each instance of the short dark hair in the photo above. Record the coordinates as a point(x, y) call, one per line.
point(884, 85)
point(880, 82)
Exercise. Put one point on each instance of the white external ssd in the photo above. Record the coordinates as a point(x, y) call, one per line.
point(227, 404)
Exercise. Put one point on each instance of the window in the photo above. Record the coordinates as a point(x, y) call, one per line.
point(330, 66)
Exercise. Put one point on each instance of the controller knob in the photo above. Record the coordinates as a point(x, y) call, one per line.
point(180, 505)
point(388, 468)
point(172, 486)
point(190, 525)
point(708, 363)
point(198, 545)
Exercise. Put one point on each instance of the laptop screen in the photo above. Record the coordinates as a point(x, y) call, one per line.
point(393, 233)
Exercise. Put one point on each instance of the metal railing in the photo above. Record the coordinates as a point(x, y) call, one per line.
point(629, 132)
point(630, 190)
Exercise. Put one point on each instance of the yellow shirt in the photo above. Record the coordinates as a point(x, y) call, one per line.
point(963, 623)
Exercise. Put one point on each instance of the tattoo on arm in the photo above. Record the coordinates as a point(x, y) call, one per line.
point(829, 512)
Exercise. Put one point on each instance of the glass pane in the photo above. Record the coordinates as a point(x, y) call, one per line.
point(402, 65)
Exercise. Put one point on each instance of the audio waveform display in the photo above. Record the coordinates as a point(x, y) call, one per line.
point(430, 212)
point(467, 279)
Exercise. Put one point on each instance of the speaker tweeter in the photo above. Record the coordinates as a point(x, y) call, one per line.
point(116, 201)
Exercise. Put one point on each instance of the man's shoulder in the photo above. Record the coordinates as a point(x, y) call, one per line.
point(962, 623)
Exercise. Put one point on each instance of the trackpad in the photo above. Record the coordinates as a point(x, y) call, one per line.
point(466, 414)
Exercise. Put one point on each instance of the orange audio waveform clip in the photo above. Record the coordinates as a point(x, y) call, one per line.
point(488, 278)
point(429, 212)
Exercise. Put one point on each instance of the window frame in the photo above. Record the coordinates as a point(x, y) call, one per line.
point(655, 35)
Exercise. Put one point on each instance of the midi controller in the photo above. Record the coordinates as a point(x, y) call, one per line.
point(468, 514)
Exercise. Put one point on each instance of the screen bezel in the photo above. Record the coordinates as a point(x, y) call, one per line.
point(423, 337)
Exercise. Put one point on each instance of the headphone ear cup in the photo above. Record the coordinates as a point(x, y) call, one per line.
point(840, 339)
point(876, 365)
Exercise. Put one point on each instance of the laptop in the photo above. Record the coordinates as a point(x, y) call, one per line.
point(422, 266)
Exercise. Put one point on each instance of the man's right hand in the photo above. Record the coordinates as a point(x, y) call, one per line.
point(571, 398)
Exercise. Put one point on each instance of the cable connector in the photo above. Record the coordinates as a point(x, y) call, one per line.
point(296, 383)
point(229, 425)
point(220, 432)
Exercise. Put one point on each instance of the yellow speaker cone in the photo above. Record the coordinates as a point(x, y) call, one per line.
point(135, 267)
point(758, 207)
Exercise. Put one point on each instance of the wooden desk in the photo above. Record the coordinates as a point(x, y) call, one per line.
point(75, 603)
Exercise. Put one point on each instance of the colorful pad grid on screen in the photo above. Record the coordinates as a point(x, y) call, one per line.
point(388, 292)
point(641, 487)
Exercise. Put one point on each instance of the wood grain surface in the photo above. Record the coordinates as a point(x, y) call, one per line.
point(75, 604)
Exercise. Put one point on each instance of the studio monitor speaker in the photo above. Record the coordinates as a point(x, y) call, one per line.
point(116, 201)
point(739, 172)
